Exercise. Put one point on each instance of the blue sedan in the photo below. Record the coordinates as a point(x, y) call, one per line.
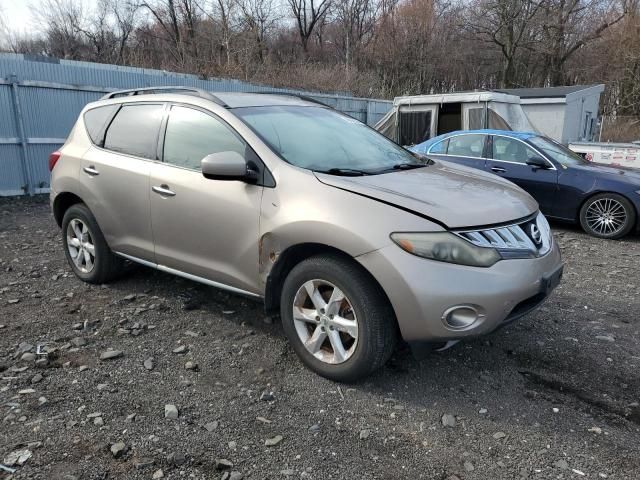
point(605, 200)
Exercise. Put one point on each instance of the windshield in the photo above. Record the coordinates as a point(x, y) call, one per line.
point(320, 139)
point(557, 152)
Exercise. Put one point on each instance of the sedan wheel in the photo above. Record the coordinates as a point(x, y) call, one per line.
point(607, 216)
point(325, 321)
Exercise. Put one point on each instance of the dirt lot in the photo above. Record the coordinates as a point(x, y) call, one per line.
point(555, 395)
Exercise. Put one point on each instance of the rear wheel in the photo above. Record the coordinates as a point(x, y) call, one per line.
point(86, 250)
point(337, 319)
point(607, 215)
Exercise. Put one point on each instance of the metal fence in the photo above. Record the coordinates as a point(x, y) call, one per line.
point(40, 99)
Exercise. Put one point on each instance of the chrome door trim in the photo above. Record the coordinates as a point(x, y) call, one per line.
point(457, 156)
point(189, 276)
point(137, 260)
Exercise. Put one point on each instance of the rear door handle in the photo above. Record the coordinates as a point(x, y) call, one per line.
point(498, 169)
point(91, 171)
point(164, 190)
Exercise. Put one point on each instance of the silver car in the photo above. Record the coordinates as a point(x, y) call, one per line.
point(352, 239)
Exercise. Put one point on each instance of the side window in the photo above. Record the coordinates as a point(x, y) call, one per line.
point(192, 135)
point(95, 120)
point(440, 147)
point(134, 130)
point(510, 150)
point(466, 145)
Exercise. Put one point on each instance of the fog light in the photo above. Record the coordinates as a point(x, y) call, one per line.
point(461, 316)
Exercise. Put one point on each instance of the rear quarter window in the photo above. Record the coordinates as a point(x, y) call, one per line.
point(440, 147)
point(134, 130)
point(95, 121)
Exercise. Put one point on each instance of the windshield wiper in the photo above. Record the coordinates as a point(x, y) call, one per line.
point(407, 166)
point(345, 172)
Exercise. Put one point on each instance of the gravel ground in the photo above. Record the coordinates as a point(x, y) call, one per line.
point(554, 395)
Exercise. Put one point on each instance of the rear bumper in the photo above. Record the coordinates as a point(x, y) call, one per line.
point(422, 291)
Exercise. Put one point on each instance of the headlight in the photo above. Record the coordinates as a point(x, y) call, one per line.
point(446, 247)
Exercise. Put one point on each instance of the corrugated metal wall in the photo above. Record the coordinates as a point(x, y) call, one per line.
point(40, 99)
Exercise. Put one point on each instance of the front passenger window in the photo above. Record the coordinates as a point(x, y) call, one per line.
point(192, 135)
point(510, 150)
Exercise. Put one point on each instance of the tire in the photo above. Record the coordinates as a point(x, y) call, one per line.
point(614, 210)
point(364, 305)
point(103, 266)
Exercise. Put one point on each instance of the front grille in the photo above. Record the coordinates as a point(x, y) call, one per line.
point(531, 237)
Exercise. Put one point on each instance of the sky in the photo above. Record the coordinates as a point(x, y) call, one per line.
point(18, 14)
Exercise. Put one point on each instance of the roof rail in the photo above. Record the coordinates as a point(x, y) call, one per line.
point(196, 92)
point(306, 98)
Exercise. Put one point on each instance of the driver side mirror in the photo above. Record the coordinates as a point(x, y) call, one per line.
point(228, 166)
point(538, 162)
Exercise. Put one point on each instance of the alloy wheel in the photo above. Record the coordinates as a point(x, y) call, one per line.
point(606, 216)
point(80, 246)
point(325, 321)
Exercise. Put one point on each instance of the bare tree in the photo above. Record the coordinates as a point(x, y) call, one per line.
point(125, 15)
point(166, 14)
point(356, 20)
point(510, 25)
point(570, 25)
point(307, 14)
point(62, 22)
point(260, 17)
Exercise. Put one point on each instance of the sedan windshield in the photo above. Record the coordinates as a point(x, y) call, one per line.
point(557, 152)
point(320, 139)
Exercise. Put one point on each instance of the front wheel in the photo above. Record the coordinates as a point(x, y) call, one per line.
point(607, 215)
point(337, 318)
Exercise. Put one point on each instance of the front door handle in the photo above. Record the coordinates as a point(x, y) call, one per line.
point(164, 190)
point(91, 171)
point(498, 169)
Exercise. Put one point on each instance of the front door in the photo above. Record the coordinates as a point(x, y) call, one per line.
point(206, 228)
point(508, 157)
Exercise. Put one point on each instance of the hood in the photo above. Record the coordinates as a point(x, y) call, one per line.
point(453, 195)
point(623, 174)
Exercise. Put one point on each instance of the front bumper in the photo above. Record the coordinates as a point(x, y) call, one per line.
point(421, 291)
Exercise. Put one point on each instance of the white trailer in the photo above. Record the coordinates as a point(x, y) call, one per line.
point(617, 154)
point(418, 118)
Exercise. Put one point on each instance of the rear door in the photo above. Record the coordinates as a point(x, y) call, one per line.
point(508, 157)
point(201, 227)
point(115, 173)
point(466, 149)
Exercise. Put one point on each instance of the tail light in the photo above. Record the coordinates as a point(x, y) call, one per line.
point(53, 159)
